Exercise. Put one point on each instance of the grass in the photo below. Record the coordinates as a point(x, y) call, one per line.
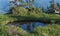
point(53, 18)
point(29, 14)
point(4, 19)
point(34, 14)
point(50, 30)
point(11, 31)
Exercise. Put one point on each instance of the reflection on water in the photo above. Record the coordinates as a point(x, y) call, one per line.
point(28, 26)
point(32, 25)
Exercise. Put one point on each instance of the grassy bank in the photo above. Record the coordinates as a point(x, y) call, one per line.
point(50, 30)
point(43, 17)
point(34, 14)
point(11, 31)
point(4, 19)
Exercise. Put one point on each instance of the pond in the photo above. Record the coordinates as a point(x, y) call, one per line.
point(28, 26)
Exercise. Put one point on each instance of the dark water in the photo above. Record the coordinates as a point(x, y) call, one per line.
point(30, 27)
point(36, 24)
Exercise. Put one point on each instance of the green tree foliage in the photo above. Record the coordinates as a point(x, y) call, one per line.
point(53, 6)
point(28, 3)
point(25, 11)
point(58, 5)
point(18, 11)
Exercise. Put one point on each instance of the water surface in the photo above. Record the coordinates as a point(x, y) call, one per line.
point(28, 26)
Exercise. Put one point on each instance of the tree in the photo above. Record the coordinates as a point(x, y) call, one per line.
point(58, 5)
point(30, 2)
point(53, 7)
point(16, 4)
point(20, 2)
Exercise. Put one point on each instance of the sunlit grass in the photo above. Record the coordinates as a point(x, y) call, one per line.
point(4, 19)
point(50, 30)
point(11, 31)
